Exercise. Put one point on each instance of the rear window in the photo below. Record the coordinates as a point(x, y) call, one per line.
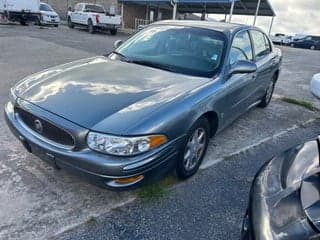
point(94, 8)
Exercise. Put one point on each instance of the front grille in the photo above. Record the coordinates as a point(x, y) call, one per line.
point(48, 130)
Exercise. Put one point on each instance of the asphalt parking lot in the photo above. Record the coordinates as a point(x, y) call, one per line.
point(38, 202)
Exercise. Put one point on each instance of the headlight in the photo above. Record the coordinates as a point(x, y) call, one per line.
point(123, 146)
point(13, 97)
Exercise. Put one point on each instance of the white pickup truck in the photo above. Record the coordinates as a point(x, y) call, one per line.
point(19, 10)
point(94, 16)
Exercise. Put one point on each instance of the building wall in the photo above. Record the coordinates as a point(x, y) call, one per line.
point(142, 11)
point(131, 12)
point(61, 6)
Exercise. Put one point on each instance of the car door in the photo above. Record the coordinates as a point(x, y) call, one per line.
point(83, 15)
point(76, 13)
point(265, 60)
point(239, 88)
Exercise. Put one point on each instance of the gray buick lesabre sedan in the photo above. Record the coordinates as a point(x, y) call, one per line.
point(149, 106)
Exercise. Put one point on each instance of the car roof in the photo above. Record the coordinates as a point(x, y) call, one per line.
point(96, 4)
point(215, 26)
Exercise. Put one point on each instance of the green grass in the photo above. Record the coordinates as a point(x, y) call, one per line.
point(299, 102)
point(228, 157)
point(90, 220)
point(157, 189)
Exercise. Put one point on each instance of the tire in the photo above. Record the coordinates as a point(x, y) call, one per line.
point(23, 22)
point(113, 31)
point(38, 22)
point(193, 149)
point(313, 47)
point(90, 26)
point(292, 45)
point(266, 99)
point(56, 25)
point(70, 23)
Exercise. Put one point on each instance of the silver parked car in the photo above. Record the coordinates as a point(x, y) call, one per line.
point(149, 106)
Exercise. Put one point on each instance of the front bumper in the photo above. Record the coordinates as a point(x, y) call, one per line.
point(101, 169)
point(276, 210)
point(49, 20)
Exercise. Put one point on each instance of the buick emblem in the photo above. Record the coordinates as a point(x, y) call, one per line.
point(38, 126)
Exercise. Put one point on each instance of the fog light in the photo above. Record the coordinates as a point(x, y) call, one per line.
point(129, 179)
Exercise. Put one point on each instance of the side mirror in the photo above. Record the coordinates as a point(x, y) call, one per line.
point(117, 43)
point(242, 67)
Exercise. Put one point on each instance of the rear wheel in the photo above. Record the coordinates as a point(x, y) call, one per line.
point(70, 23)
point(269, 92)
point(113, 31)
point(292, 45)
point(90, 26)
point(194, 149)
point(313, 47)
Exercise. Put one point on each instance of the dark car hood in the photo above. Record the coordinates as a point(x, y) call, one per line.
point(99, 92)
point(285, 196)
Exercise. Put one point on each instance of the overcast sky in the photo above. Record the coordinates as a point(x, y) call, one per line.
point(293, 16)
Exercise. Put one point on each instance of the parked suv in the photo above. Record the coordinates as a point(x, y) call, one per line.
point(309, 42)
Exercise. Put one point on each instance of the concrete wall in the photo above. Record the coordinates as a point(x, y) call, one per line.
point(61, 6)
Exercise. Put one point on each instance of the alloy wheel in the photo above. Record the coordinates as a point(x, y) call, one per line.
point(194, 149)
point(270, 91)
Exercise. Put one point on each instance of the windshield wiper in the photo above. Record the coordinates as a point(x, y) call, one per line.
point(123, 57)
point(162, 66)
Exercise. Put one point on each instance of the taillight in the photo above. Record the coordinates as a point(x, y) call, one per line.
point(97, 18)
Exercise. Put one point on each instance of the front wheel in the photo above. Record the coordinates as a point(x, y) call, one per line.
point(113, 31)
point(70, 23)
point(23, 22)
point(194, 149)
point(313, 47)
point(268, 95)
point(37, 21)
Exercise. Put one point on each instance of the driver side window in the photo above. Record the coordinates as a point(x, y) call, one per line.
point(241, 48)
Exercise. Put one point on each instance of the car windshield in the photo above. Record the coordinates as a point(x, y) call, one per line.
point(94, 8)
point(187, 50)
point(45, 7)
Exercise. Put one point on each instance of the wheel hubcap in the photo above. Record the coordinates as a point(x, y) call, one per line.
point(194, 149)
point(269, 92)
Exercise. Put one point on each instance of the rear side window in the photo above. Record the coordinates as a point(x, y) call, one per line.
point(78, 7)
point(268, 44)
point(261, 44)
point(241, 48)
point(94, 8)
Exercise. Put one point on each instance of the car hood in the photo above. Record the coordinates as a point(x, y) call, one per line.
point(104, 95)
point(285, 200)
